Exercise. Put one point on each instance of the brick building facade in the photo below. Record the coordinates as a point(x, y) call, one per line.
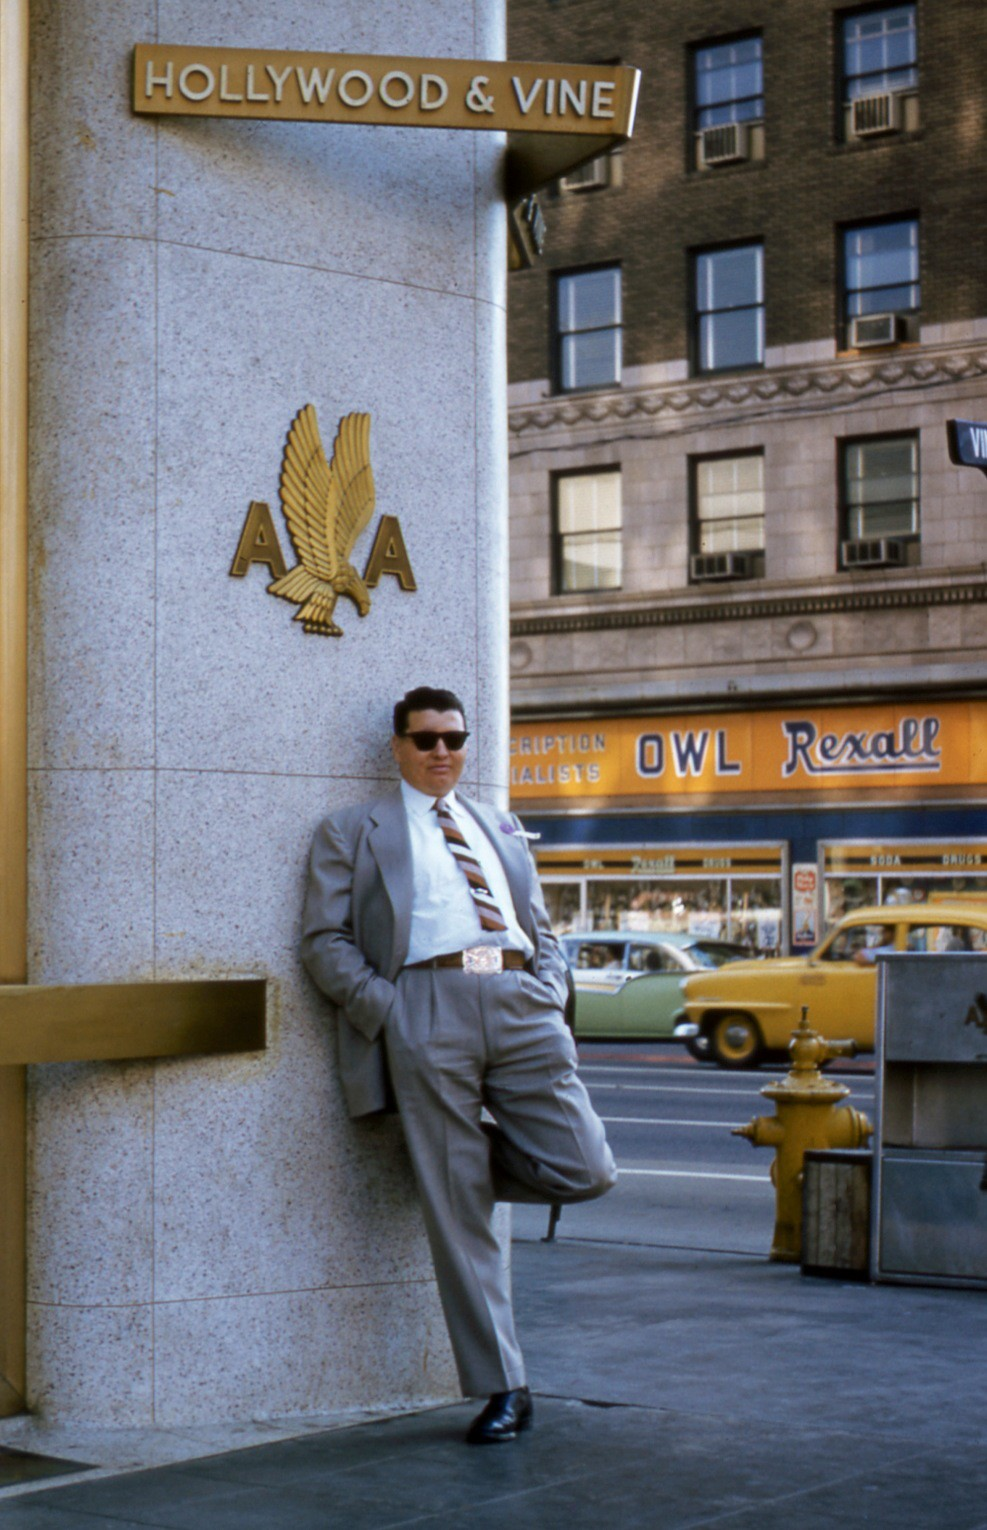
point(732, 501)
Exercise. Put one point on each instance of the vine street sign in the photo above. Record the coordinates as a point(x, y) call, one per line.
point(967, 443)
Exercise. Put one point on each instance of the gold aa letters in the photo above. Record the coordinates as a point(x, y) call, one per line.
point(389, 555)
point(258, 543)
point(327, 505)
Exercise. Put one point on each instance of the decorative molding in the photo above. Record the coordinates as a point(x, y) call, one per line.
point(855, 379)
point(752, 609)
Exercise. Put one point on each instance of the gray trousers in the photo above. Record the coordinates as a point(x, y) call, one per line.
point(457, 1042)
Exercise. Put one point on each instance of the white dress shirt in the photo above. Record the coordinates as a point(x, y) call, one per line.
point(443, 915)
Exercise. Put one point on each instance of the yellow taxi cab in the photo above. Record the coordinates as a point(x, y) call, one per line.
point(736, 1014)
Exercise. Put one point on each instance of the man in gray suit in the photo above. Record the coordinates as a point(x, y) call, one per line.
point(425, 926)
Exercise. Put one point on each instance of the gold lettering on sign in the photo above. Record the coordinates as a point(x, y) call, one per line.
point(389, 556)
point(434, 92)
point(258, 543)
point(414, 92)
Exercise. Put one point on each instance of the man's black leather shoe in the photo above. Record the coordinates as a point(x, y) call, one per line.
point(504, 1417)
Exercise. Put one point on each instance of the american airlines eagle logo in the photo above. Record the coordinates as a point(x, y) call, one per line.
point(327, 505)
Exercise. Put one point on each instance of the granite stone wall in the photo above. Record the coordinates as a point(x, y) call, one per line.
point(215, 1239)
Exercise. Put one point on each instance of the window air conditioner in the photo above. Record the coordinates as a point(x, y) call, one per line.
point(875, 329)
point(874, 552)
point(725, 144)
point(870, 115)
point(730, 565)
point(589, 177)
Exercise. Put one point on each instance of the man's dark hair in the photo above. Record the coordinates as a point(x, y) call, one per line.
point(425, 698)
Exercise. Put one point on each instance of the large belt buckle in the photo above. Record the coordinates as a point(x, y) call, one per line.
point(483, 959)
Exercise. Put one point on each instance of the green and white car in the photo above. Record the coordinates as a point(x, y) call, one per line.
point(630, 985)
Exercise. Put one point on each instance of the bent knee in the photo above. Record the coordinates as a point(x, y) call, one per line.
point(600, 1176)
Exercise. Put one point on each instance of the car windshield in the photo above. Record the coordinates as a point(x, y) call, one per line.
point(715, 953)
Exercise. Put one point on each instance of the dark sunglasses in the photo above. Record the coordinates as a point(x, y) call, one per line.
point(424, 740)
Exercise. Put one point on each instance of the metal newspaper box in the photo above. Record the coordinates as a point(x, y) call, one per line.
point(929, 1206)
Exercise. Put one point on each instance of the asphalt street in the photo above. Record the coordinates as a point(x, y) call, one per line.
point(685, 1182)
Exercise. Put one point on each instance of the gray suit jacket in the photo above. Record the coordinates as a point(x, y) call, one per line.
point(357, 922)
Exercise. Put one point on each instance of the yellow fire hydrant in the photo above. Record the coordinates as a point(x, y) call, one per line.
point(809, 1116)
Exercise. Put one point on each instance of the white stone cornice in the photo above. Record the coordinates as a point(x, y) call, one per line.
point(903, 590)
point(789, 388)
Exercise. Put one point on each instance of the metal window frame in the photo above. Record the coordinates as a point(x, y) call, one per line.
point(845, 291)
point(696, 460)
point(847, 78)
point(558, 334)
point(560, 540)
point(696, 317)
point(693, 94)
point(845, 507)
point(695, 523)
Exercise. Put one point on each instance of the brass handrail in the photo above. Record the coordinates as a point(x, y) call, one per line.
point(115, 1022)
point(14, 152)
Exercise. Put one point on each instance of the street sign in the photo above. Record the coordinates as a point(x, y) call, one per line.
point(967, 443)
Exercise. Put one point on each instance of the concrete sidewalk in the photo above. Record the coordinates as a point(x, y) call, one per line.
point(673, 1389)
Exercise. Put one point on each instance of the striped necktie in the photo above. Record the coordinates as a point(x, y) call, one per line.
point(491, 917)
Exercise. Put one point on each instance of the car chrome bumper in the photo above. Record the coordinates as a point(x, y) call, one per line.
point(685, 1030)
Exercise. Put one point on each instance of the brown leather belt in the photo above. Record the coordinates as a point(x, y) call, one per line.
point(477, 959)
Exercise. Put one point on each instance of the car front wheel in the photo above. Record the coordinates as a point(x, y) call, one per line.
point(735, 1041)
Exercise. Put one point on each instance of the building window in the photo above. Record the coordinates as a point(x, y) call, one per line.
point(728, 83)
point(729, 308)
point(880, 276)
point(588, 329)
point(880, 488)
point(587, 531)
point(879, 52)
point(727, 516)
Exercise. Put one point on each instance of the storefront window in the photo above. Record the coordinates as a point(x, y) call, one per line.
point(844, 895)
point(893, 876)
point(714, 909)
point(755, 914)
point(563, 901)
point(657, 906)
